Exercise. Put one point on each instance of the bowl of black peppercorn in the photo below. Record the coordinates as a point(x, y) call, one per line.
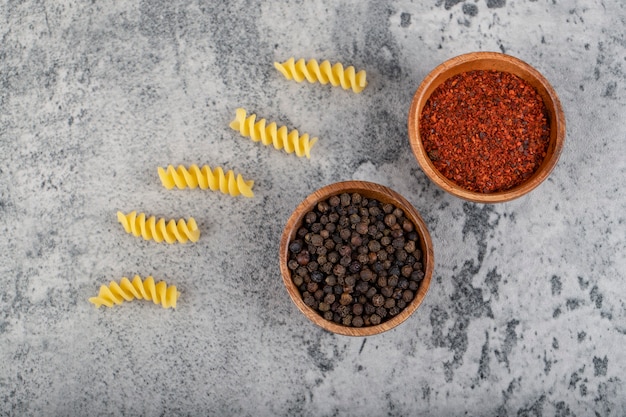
point(356, 258)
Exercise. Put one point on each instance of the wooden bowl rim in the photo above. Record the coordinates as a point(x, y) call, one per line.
point(513, 65)
point(369, 190)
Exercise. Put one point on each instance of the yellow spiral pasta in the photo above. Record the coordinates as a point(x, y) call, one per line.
point(204, 178)
point(270, 134)
point(159, 231)
point(137, 289)
point(324, 73)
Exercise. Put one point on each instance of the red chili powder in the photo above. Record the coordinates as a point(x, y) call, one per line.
point(486, 131)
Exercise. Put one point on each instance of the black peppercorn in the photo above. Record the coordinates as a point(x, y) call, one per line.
point(295, 246)
point(345, 299)
point(323, 207)
point(386, 291)
point(390, 220)
point(310, 217)
point(345, 250)
point(362, 286)
point(302, 271)
point(297, 279)
point(344, 222)
point(406, 271)
point(382, 281)
point(366, 275)
point(397, 243)
point(309, 300)
point(317, 240)
point(362, 258)
point(355, 266)
point(373, 246)
point(350, 280)
point(317, 276)
point(343, 310)
point(362, 228)
point(357, 321)
point(378, 300)
point(397, 294)
point(417, 276)
point(356, 240)
point(403, 283)
point(392, 281)
point(292, 264)
point(326, 267)
point(339, 270)
point(303, 258)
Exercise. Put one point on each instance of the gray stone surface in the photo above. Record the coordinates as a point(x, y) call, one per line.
point(526, 312)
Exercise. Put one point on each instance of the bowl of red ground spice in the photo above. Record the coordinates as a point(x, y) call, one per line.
point(486, 127)
point(356, 258)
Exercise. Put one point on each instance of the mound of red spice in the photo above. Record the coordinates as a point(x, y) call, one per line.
point(486, 131)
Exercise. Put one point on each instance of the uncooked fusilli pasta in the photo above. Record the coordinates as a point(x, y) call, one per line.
point(193, 177)
point(126, 290)
point(270, 134)
point(159, 231)
point(323, 73)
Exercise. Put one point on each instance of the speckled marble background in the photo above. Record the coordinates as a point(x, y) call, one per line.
point(525, 315)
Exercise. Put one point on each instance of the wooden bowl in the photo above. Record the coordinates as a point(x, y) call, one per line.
point(498, 62)
point(368, 190)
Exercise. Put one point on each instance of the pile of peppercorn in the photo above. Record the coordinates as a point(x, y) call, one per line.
point(356, 260)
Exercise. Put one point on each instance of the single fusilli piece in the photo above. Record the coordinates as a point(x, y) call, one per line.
point(159, 231)
point(280, 138)
point(324, 73)
point(204, 178)
point(126, 290)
